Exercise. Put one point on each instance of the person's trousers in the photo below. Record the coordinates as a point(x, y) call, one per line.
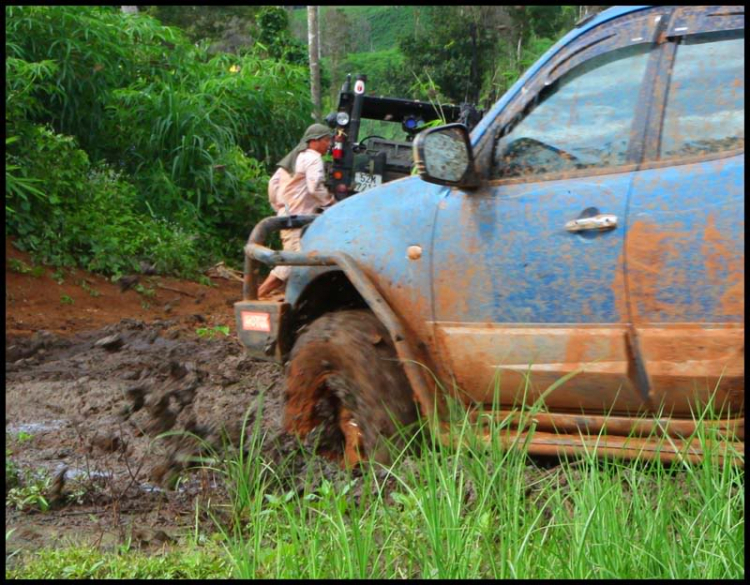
point(290, 239)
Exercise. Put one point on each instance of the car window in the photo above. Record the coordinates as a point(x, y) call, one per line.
point(705, 110)
point(582, 120)
point(386, 130)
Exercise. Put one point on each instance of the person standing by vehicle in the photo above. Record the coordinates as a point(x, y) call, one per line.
point(297, 188)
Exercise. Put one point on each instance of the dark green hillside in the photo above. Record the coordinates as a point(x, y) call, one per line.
point(374, 28)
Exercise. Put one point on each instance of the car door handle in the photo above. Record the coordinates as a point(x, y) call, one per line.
point(603, 221)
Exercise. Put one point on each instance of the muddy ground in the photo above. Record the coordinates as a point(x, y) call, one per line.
point(93, 377)
point(96, 371)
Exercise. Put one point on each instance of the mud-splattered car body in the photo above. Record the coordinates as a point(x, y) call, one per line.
point(596, 236)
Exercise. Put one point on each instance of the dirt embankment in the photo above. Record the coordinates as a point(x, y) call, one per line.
point(67, 302)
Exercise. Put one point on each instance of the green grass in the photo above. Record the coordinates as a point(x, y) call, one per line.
point(482, 511)
point(186, 562)
point(475, 510)
point(12, 474)
point(211, 332)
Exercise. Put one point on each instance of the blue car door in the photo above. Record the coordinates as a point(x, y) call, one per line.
point(528, 270)
point(685, 241)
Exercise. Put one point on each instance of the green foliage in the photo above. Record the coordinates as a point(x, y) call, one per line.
point(86, 215)
point(146, 292)
point(12, 474)
point(337, 40)
point(470, 52)
point(386, 72)
point(475, 53)
point(531, 31)
point(30, 494)
point(21, 267)
point(24, 82)
point(58, 276)
point(58, 167)
point(225, 28)
point(212, 332)
point(383, 25)
point(543, 20)
point(372, 28)
point(23, 437)
point(79, 562)
point(273, 33)
point(454, 50)
point(92, 292)
point(95, 50)
point(199, 151)
point(127, 142)
point(535, 48)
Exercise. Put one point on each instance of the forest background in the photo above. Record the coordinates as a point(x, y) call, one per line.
point(146, 139)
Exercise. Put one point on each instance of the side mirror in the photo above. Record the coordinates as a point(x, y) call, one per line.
point(443, 155)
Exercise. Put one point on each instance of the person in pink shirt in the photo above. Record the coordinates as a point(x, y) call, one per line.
point(297, 188)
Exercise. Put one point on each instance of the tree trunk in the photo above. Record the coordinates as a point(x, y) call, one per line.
point(313, 37)
point(472, 92)
point(319, 43)
point(518, 51)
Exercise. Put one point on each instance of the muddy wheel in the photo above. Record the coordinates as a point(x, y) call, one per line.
point(345, 383)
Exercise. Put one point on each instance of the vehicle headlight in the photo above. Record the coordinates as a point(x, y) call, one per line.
point(342, 118)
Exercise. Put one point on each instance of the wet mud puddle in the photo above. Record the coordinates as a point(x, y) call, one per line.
point(87, 412)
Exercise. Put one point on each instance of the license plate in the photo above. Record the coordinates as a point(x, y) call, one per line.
point(256, 321)
point(365, 181)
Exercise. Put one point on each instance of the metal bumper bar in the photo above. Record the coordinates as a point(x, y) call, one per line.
point(256, 252)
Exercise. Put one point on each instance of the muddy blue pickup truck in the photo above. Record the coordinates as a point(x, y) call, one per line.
point(582, 248)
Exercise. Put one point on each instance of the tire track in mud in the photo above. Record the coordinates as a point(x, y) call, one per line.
point(115, 389)
point(97, 402)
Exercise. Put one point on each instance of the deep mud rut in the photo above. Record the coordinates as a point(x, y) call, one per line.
point(93, 403)
point(94, 406)
point(91, 383)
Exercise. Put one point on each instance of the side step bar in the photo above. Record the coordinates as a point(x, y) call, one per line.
point(665, 449)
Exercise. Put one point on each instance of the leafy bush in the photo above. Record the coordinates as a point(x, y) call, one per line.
point(273, 33)
point(121, 237)
point(24, 82)
point(192, 137)
point(95, 50)
point(85, 215)
point(454, 51)
point(57, 168)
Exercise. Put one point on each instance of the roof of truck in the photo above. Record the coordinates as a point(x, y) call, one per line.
point(609, 14)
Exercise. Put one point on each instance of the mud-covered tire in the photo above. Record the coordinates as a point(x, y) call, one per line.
point(343, 368)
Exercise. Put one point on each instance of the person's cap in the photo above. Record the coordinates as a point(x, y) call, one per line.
point(315, 132)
